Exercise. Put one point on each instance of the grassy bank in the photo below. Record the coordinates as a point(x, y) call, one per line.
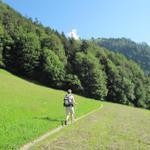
point(28, 110)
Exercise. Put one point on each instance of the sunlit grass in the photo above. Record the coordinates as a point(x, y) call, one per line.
point(28, 110)
point(114, 127)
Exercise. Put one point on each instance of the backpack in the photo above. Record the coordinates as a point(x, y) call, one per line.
point(68, 101)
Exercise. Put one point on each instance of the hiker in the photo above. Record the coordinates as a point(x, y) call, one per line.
point(69, 103)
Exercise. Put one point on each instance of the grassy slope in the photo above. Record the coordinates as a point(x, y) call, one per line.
point(114, 127)
point(28, 110)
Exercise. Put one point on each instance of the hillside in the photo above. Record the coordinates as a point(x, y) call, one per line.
point(139, 52)
point(114, 127)
point(39, 53)
point(28, 110)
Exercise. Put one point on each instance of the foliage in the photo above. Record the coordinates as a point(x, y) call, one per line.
point(40, 53)
point(52, 69)
point(72, 82)
point(87, 67)
point(1, 45)
point(23, 55)
point(53, 43)
point(139, 52)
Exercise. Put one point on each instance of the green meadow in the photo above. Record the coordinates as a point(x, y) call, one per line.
point(28, 110)
point(114, 127)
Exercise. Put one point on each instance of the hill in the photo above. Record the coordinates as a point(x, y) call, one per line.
point(139, 52)
point(114, 127)
point(33, 51)
point(28, 110)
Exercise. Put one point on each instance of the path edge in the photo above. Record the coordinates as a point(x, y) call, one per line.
point(55, 130)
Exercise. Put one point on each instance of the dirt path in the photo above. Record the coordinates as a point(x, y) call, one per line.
point(115, 127)
point(46, 135)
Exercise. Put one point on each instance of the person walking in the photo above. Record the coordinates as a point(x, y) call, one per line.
point(69, 103)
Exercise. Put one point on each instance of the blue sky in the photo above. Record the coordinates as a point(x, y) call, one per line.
point(91, 18)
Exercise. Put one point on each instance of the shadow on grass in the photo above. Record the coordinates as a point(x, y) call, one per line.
point(50, 119)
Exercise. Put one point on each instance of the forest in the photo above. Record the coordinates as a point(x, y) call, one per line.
point(38, 53)
point(139, 52)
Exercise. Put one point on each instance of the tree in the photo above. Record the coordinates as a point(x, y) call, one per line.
point(22, 53)
point(90, 73)
point(53, 43)
point(1, 45)
point(72, 82)
point(28, 50)
point(52, 69)
point(84, 46)
point(147, 88)
point(120, 87)
point(139, 52)
point(8, 55)
point(140, 94)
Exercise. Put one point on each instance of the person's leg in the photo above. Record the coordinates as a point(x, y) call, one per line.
point(67, 116)
point(71, 117)
point(72, 114)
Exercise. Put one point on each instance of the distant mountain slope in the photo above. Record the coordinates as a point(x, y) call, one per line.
point(139, 52)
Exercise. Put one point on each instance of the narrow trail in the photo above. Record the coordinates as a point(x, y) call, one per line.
point(115, 127)
point(49, 133)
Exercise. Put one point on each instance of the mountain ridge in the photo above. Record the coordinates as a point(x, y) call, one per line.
point(139, 52)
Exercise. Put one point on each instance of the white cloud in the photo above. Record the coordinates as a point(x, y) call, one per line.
point(73, 34)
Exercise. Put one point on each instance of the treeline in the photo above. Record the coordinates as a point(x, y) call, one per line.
point(29, 49)
point(139, 52)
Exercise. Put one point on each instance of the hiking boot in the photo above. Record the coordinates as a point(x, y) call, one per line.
point(66, 123)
